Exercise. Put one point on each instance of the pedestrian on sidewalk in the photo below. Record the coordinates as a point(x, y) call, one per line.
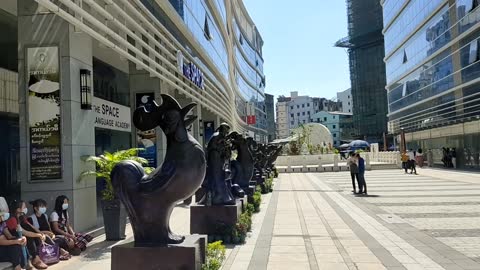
point(411, 160)
point(362, 185)
point(352, 163)
point(405, 163)
point(10, 249)
point(453, 153)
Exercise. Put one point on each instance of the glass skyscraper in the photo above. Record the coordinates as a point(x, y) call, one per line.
point(433, 68)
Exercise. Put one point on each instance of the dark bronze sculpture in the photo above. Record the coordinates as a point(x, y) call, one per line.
point(150, 199)
point(218, 190)
point(242, 166)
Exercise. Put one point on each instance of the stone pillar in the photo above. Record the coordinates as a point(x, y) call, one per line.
point(368, 167)
point(335, 163)
point(142, 82)
point(76, 125)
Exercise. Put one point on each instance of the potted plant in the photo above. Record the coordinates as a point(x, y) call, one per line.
point(114, 213)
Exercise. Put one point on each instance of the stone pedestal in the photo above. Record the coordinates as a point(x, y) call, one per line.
point(244, 202)
point(251, 190)
point(204, 219)
point(189, 255)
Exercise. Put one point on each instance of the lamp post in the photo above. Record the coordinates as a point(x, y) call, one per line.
point(85, 89)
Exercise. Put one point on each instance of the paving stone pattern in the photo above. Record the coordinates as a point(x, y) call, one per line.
point(426, 221)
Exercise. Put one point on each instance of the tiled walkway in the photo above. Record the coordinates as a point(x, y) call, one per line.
point(312, 221)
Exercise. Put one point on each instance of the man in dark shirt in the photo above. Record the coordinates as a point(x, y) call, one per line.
point(362, 185)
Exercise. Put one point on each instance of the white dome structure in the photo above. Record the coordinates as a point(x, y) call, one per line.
point(318, 134)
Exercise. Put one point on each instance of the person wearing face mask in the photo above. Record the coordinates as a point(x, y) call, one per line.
point(18, 212)
point(39, 221)
point(77, 242)
point(10, 249)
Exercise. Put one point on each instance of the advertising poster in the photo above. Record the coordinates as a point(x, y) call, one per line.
point(44, 113)
point(147, 139)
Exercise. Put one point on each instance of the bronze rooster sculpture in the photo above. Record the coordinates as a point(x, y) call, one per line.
point(150, 199)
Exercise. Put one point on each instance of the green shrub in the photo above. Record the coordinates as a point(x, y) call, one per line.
point(215, 256)
point(234, 234)
point(257, 200)
point(267, 187)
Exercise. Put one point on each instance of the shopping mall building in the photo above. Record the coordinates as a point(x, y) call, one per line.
point(433, 75)
point(72, 72)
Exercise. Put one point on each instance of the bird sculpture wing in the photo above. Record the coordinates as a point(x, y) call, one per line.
point(159, 178)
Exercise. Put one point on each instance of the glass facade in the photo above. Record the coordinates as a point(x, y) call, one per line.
point(434, 77)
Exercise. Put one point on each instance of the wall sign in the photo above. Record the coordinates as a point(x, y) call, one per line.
point(190, 70)
point(109, 115)
point(147, 139)
point(44, 113)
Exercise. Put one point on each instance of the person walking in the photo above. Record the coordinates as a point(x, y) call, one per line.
point(362, 185)
point(453, 154)
point(411, 160)
point(405, 162)
point(352, 163)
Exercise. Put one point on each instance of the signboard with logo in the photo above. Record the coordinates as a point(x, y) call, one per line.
point(44, 115)
point(147, 139)
point(109, 115)
point(190, 70)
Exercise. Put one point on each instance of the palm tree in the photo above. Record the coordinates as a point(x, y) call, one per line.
point(105, 164)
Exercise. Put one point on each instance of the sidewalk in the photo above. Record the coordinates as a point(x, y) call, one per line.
point(312, 221)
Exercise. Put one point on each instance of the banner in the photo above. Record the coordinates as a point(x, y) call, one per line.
point(109, 115)
point(147, 139)
point(44, 113)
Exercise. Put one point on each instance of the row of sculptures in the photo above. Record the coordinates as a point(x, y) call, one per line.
point(150, 198)
point(227, 179)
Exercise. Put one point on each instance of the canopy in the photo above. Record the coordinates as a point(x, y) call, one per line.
point(359, 144)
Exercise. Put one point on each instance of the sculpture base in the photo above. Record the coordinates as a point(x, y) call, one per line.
point(244, 202)
point(188, 255)
point(205, 219)
point(251, 189)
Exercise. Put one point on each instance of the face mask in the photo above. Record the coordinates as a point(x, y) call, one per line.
point(65, 206)
point(6, 216)
point(25, 211)
point(42, 210)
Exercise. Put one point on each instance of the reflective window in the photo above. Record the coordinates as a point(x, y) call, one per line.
point(110, 83)
point(414, 14)
point(390, 9)
point(429, 39)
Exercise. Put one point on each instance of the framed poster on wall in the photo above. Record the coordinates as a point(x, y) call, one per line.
point(44, 115)
point(147, 139)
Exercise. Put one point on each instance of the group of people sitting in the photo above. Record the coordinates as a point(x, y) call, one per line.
point(357, 170)
point(23, 236)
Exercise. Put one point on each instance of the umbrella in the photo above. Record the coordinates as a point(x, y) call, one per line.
point(359, 144)
point(345, 145)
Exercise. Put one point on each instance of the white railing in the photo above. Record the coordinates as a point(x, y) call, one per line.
point(333, 162)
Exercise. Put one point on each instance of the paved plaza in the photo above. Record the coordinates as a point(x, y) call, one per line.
point(312, 221)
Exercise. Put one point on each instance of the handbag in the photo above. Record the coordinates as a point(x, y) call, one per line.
point(49, 254)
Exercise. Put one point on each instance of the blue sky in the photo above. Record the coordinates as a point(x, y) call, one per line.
point(298, 51)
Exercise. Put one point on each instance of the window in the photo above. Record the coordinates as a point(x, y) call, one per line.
point(325, 119)
point(298, 114)
point(318, 120)
point(349, 110)
point(334, 142)
point(308, 104)
point(206, 29)
point(334, 126)
point(405, 58)
point(240, 39)
point(334, 117)
point(298, 106)
point(308, 112)
point(334, 134)
point(292, 123)
point(348, 96)
point(303, 105)
point(473, 52)
point(348, 103)
point(404, 91)
point(292, 115)
point(291, 107)
point(303, 113)
point(304, 121)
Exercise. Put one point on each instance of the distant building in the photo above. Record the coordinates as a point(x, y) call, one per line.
point(365, 46)
point(282, 124)
point(298, 110)
point(340, 124)
point(345, 98)
point(269, 104)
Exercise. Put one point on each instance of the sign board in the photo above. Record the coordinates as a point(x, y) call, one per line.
point(44, 114)
point(190, 70)
point(109, 115)
point(147, 139)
